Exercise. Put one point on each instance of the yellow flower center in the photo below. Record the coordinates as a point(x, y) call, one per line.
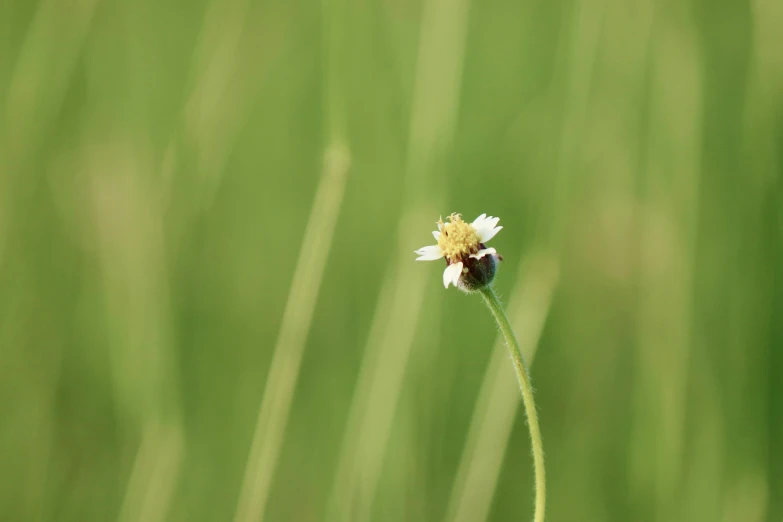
point(457, 239)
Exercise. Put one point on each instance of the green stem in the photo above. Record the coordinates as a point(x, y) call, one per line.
point(527, 397)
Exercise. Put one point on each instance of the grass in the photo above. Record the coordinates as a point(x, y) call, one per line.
point(160, 166)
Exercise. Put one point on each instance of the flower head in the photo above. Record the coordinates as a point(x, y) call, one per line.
point(470, 264)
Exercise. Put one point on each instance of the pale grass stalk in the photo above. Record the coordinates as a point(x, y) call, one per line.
point(581, 46)
point(130, 238)
point(668, 235)
point(286, 360)
point(216, 107)
point(36, 92)
point(498, 400)
point(375, 398)
point(55, 37)
point(433, 116)
point(155, 473)
point(766, 17)
point(308, 275)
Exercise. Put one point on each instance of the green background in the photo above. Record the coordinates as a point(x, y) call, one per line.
point(209, 305)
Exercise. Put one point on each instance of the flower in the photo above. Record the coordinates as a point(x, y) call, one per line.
point(470, 264)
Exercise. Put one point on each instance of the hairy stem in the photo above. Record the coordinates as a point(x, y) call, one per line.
point(527, 397)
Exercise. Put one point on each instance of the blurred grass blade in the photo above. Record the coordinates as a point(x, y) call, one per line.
point(581, 51)
point(669, 224)
point(43, 70)
point(214, 108)
point(287, 358)
point(133, 267)
point(433, 117)
point(37, 86)
point(375, 399)
point(498, 401)
point(155, 471)
point(284, 370)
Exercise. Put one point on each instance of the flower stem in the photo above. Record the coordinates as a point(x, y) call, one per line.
point(527, 397)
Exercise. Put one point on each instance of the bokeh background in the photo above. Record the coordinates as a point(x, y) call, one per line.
point(209, 305)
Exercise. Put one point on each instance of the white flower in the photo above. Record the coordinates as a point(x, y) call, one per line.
point(462, 244)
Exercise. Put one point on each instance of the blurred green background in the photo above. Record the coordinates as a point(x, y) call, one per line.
point(209, 305)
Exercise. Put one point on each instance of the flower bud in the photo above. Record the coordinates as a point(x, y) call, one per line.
point(477, 273)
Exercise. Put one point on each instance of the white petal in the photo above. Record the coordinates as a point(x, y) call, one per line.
point(488, 224)
point(458, 273)
point(484, 251)
point(479, 221)
point(429, 253)
point(483, 225)
point(488, 233)
point(451, 274)
point(436, 234)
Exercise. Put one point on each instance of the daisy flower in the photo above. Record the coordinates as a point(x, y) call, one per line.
point(470, 265)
